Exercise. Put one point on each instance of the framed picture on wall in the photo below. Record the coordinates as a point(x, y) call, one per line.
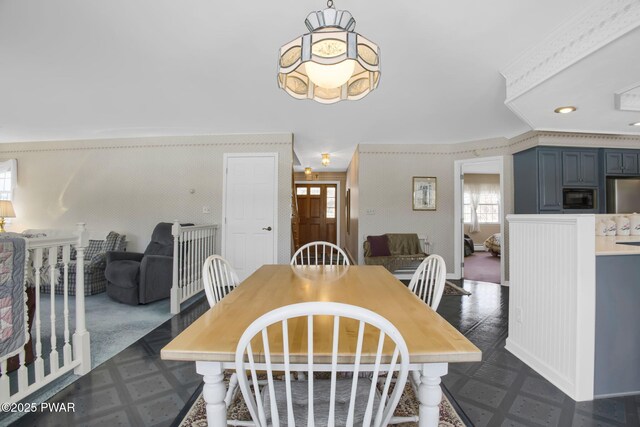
point(424, 193)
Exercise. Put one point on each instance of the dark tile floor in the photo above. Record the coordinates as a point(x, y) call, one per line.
point(136, 388)
point(503, 391)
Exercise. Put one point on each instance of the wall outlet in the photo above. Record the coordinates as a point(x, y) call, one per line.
point(370, 211)
point(206, 210)
point(519, 314)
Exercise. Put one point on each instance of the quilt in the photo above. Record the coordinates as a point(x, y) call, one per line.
point(13, 305)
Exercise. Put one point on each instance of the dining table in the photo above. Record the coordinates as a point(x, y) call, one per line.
point(211, 340)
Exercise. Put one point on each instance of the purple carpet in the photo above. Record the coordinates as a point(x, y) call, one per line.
point(482, 267)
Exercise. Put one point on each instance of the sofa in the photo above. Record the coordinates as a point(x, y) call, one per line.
point(95, 281)
point(393, 250)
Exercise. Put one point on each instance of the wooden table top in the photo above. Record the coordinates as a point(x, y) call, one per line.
point(214, 336)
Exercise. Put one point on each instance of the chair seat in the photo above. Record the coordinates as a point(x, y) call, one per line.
point(321, 400)
point(123, 274)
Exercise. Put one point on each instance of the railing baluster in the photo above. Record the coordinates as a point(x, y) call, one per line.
point(23, 377)
point(5, 391)
point(54, 361)
point(66, 348)
point(39, 363)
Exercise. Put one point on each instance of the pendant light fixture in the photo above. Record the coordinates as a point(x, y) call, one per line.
point(325, 159)
point(331, 63)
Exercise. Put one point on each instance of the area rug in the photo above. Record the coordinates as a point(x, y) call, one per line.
point(196, 416)
point(482, 267)
point(453, 289)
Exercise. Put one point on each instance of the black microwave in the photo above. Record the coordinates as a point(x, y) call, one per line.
point(579, 198)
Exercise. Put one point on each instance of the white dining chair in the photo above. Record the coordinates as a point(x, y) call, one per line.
point(320, 253)
point(340, 400)
point(428, 280)
point(219, 278)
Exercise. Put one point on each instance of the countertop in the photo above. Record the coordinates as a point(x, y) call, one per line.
point(607, 245)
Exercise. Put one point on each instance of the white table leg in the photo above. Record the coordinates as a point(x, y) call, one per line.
point(214, 392)
point(430, 394)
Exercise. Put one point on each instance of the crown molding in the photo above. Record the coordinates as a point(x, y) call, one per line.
point(572, 139)
point(589, 31)
point(259, 140)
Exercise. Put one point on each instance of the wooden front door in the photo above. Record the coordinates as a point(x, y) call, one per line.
point(317, 210)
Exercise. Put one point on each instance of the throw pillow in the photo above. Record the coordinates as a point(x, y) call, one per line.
point(111, 241)
point(379, 245)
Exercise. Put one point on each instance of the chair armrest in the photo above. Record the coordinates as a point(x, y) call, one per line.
point(121, 256)
point(156, 278)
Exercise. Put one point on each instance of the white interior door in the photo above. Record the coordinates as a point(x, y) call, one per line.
point(250, 217)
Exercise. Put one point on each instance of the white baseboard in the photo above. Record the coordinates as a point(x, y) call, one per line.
point(606, 396)
point(479, 248)
point(453, 276)
point(543, 369)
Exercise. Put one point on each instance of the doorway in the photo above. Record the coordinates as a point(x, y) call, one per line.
point(317, 212)
point(479, 188)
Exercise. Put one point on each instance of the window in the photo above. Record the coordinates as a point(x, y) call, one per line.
point(488, 210)
point(301, 191)
point(7, 179)
point(331, 202)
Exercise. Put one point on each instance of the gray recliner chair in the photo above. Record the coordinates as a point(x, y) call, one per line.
point(140, 278)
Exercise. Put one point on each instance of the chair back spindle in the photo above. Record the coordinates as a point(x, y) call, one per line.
point(219, 278)
point(350, 399)
point(428, 280)
point(320, 253)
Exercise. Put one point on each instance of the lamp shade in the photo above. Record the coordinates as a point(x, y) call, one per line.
point(331, 63)
point(6, 209)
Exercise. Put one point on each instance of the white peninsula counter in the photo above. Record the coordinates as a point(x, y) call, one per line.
point(573, 301)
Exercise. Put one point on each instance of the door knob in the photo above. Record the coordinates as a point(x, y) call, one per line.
point(267, 228)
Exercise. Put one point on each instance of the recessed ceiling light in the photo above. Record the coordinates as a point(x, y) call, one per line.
point(634, 124)
point(565, 110)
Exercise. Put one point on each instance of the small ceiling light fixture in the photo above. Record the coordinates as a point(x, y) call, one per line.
point(307, 171)
point(325, 159)
point(565, 110)
point(634, 124)
point(331, 63)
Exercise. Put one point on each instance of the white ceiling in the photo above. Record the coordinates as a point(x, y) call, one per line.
point(77, 69)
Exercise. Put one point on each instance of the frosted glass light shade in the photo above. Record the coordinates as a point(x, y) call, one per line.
point(330, 76)
point(331, 63)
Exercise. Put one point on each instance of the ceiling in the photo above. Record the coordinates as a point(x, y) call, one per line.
point(83, 69)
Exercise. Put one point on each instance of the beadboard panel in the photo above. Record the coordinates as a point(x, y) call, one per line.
point(552, 298)
point(130, 184)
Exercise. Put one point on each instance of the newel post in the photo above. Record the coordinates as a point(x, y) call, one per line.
point(81, 343)
point(175, 290)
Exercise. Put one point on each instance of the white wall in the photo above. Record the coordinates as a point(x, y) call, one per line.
point(129, 185)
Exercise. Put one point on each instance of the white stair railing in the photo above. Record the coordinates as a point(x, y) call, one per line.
point(192, 244)
point(54, 353)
